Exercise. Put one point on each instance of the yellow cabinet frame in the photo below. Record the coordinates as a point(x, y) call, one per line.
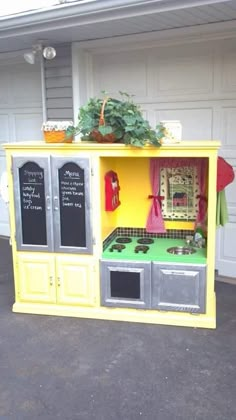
point(44, 282)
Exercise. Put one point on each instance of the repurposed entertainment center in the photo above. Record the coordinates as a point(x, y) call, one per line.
point(80, 242)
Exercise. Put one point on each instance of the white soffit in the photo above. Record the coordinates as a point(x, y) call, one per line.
point(98, 19)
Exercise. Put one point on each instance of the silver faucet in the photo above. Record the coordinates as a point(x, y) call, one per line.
point(197, 241)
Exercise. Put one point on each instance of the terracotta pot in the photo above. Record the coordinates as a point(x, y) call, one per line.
point(99, 138)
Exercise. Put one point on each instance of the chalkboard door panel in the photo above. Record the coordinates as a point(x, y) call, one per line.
point(32, 194)
point(71, 204)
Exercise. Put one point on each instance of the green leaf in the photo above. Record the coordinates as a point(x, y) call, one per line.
point(129, 128)
point(130, 119)
point(105, 129)
point(70, 131)
point(119, 133)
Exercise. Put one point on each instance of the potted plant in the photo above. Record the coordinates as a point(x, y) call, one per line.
point(110, 120)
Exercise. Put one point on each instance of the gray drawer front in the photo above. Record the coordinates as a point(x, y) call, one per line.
point(178, 288)
point(139, 273)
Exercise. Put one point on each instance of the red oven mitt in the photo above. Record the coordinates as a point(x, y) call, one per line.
point(225, 174)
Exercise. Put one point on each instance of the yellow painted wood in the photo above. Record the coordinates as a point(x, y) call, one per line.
point(123, 314)
point(108, 218)
point(179, 225)
point(211, 230)
point(185, 148)
point(36, 278)
point(135, 188)
point(65, 279)
point(33, 271)
point(75, 278)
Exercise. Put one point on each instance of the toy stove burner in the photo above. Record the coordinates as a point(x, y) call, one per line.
point(141, 248)
point(117, 247)
point(123, 240)
point(145, 241)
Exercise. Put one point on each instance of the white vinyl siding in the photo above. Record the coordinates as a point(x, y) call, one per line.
point(58, 84)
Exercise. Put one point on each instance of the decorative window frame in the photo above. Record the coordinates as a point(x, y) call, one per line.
point(158, 211)
point(180, 188)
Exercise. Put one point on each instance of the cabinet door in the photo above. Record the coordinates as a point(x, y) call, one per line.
point(178, 287)
point(32, 195)
point(36, 279)
point(75, 280)
point(71, 204)
point(125, 283)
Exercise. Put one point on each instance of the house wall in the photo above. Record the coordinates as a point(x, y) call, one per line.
point(58, 85)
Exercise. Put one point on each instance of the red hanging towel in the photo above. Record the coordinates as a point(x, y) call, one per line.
point(225, 174)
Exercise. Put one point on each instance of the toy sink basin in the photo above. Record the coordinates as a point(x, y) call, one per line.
point(181, 250)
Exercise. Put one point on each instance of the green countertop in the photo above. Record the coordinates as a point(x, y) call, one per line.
point(157, 252)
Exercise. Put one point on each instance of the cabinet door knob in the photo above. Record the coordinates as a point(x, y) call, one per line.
point(51, 280)
point(58, 281)
point(56, 203)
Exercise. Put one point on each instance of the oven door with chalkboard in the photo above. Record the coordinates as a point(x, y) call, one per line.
point(32, 193)
point(71, 204)
point(125, 284)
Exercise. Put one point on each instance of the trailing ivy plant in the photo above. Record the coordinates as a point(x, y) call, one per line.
point(114, 120)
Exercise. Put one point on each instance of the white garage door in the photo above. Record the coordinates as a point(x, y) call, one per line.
point(194, 83)
point(20, 113)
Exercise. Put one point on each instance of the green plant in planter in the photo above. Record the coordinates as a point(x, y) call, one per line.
point(111, 120)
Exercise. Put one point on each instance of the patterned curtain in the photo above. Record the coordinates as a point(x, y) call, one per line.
point(155, 222)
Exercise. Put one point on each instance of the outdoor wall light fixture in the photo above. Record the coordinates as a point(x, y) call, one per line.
point(48, 53)
point(29, 57)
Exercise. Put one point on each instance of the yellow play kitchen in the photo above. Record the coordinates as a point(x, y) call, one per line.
point(114, 232)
